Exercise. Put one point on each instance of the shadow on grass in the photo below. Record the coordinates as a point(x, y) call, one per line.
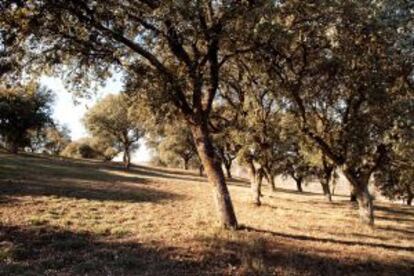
point(41, 176)
point(317, 239)
point(46, 250)
point(71, 190)
point(261, 257)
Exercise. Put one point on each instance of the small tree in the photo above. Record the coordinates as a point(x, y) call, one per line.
point(23, 110)
point(111, 118)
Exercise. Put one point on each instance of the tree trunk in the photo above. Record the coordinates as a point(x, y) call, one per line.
point(364, 199)
point(326, 190)
point(13, 148)
point(228, 169)
point(299, 184)
point(366, 207)
point(410, 195)
point(353, 196)
point(270, 178)
point(215, 175)
point(127, 158)
point(200, 170)
point(272, 183)
point(257, 188)
point(185, 163)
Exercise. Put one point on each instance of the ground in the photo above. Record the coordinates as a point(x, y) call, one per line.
point(77, 217)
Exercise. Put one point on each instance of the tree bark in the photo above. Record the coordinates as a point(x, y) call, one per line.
point(299, 184)
point(13, 148)
point(272, 183)
point(200, 170)
point(364, 199)
point(326, 190)
point(410, 195)
point(228, 169)
point(185, 163)
point(127, 158)
point(215, 175)
point(353, 197)
point(270, 179)
point(257, 188)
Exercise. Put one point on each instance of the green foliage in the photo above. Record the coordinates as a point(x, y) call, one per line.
point(112, 120)
point(23, 110)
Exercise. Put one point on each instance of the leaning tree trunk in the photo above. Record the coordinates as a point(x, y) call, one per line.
point(215, 175)
point(363, 197)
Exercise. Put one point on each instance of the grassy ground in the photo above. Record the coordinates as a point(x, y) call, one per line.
point(67, 217)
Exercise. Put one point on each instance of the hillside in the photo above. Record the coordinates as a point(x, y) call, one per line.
point(71, 217)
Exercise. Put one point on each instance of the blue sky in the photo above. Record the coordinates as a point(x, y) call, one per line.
point(66, 112)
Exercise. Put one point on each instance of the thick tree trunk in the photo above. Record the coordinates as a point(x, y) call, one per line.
point(364, 199)
point(215, 176)
point(366, 207)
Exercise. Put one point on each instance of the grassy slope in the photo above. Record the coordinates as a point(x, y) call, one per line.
point(70, 217)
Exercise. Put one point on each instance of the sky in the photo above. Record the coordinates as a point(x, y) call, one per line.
point(66, 112)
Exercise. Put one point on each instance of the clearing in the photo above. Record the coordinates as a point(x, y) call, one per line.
point(69, 217)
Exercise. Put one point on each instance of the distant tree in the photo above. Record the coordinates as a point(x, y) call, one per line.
point(177, 140)
point(23, 109)
point(395, 178)
point(111, 118)
point(56, 138)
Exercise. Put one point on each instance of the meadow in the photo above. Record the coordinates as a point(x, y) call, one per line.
point(61, 216)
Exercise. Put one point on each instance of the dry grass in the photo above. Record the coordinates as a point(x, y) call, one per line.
point(68, 217)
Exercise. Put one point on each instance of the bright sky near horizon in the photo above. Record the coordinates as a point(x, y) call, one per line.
point(66, 112)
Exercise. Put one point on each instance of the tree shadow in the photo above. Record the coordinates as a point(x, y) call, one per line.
point(401, 210)
point(258, 256)
point(317, 239)
point(50, 250)
point(39, 176)
point(72, 190)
